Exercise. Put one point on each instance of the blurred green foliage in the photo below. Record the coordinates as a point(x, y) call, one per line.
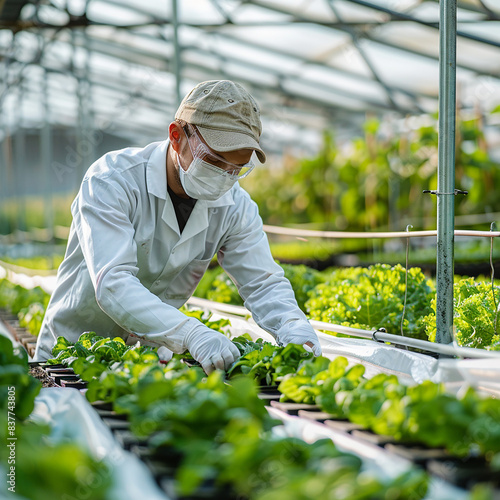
point(217, 286)
point(372, 181)
point(476, 322)
point(25, 213)
point(376, 181)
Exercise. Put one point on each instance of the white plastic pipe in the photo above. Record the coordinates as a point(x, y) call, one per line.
point(449, 350)
point(304, 233)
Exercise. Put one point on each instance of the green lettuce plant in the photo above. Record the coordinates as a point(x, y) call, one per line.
point(373, 297)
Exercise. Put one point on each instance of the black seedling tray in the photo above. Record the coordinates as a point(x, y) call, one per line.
point(102, 405)
point(74, 384)
point(116, 423)
point(127, 439)
point(417, 454)
point(293, 408)
point(317, 416)
point(464, 473)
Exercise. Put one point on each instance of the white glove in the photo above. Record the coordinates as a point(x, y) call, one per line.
point(211, 349)
point(164, 353)
point(299, 332)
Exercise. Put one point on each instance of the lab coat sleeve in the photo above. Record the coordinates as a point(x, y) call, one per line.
point(102, 215)
point(246, 257)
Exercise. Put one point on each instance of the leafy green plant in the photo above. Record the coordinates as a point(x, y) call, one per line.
point(221, 325)
point(102, 350)
point(14, 373)
point(28, 304)
point(269, 363)
point(14, 298)
point(474, 314)
point(373, 297)
point(31, 317)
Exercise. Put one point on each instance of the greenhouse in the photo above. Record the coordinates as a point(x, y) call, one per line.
point(249, 249)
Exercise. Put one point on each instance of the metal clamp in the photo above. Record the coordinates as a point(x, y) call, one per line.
point(455, 192)
point(381, 330)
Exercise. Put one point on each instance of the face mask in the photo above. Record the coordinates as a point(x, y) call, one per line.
point(203, 181)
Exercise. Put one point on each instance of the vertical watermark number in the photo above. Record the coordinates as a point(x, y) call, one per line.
point(11, 439)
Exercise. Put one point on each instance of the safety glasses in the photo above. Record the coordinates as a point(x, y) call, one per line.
point(200, 150)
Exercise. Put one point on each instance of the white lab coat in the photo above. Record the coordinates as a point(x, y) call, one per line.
point(128, 269)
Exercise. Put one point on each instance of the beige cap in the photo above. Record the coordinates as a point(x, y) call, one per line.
point(226, 115)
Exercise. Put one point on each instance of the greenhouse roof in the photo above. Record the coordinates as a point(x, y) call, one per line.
point(122, 66)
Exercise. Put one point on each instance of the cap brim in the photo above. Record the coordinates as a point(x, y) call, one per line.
point(223, 141)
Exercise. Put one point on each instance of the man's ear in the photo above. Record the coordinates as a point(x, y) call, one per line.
point(174, 135)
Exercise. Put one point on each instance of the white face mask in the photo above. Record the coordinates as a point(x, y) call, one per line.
point(203, 181)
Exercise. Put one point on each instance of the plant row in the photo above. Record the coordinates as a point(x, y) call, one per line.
point(365, 298)
point(374, 297)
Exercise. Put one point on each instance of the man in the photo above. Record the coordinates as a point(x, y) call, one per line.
point(146, 224)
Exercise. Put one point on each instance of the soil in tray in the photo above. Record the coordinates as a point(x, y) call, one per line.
point(40, 374)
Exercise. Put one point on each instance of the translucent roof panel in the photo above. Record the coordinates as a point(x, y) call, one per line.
point(311, 64)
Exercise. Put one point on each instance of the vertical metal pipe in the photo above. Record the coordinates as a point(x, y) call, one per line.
point(88, 145)
point(20, 167)
point(177, 52)
point(81, 121)
point(446, 170)
point(46, 154)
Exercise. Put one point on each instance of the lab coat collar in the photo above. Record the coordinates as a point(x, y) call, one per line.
point(156, 171)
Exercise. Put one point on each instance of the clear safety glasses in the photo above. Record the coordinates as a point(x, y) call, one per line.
point(200, 150)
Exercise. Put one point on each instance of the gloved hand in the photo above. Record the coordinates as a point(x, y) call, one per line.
point(299, 332)
point(164, 353)
point(211, 349)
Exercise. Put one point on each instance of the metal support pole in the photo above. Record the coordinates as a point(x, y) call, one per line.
point(20, 167)
point(46, 153)
point(446, 171)
point(177, 52)
point(87, 150)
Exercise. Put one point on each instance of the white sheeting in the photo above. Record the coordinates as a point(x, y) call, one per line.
point(47, 283)
point(72, 418)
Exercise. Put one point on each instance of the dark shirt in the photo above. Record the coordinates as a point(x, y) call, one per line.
point(183, 208)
